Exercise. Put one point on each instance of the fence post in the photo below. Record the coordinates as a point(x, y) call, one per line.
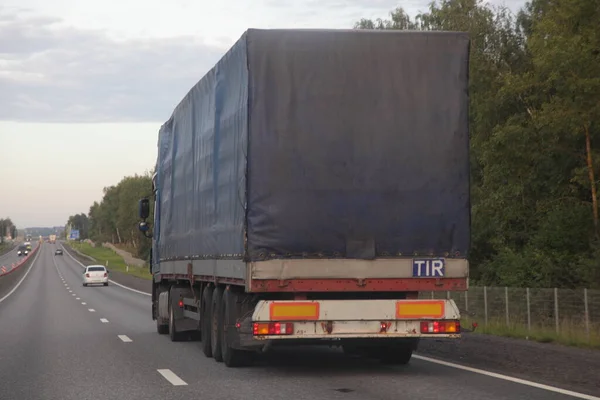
point(506, 305)
point(467, 301)
point(556, 310)
point(485, 310)
point(447, 294)
point(528, 311)
point(587, 314)
point(432, 296)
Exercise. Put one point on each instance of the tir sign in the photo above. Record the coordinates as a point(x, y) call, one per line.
point(429, 268)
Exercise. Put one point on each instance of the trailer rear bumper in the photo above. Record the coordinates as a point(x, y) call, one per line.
point(325, 320)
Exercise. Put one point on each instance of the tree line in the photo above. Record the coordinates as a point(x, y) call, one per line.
point(7, 228)
point(534, 125)
point(114, 219)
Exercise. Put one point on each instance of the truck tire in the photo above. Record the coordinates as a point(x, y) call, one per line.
point(161, 328)
point(205, 320)
point(162, 325)
point(216, 333)
point(173, 334)
point(232, 357)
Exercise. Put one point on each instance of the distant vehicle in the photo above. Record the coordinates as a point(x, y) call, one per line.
point(22, 250)
point(95, 274)
point(27, 245)
point(52, 239)
point(58, 252)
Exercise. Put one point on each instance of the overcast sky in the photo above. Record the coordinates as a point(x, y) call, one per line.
point(85, 85)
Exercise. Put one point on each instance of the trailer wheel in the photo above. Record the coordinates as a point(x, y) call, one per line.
point(162, 329)
point(162, 326)
point(232, 357)
point(216, 333)
point(206, 320)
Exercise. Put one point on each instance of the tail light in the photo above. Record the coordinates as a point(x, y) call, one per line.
point(440, 326)
point(105, 274)
point(87, 275)
point(272, 328)
point(180, 303)
point(384, 326)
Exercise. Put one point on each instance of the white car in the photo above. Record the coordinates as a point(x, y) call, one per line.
point(95, 274)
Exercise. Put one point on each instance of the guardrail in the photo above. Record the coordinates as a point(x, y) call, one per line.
point(8, 269)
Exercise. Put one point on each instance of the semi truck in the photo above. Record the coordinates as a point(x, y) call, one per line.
point(308, 189)
point(52, 239)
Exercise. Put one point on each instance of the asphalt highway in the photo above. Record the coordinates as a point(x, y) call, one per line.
point(60, 340)
point(12, 257)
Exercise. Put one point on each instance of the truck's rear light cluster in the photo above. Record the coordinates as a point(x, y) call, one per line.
point(87, 275)
point(272, 328)
point(449, 326)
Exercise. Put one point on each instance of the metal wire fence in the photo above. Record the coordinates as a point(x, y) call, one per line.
point(573, 312)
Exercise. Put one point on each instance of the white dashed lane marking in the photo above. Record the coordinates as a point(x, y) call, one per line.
point(171, 377)
point(125, 338)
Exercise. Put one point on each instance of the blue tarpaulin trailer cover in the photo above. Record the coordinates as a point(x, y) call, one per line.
point(320, 143)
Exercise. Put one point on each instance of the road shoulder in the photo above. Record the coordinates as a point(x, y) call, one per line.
point(548, 363)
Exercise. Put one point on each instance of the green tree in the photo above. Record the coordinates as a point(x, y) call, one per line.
point(7, 228)
point(80, 222)
point(114, 219)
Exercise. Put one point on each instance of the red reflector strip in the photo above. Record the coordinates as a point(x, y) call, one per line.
point(272, 328)
point(440, 327)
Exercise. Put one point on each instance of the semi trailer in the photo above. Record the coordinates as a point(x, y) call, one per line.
point(308, 188)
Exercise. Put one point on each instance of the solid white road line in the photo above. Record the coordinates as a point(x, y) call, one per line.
point(128, 288)
point(110, 280)
point(125, 338)
point(508, 378)
point(37, 253)
point(171, 377)
point(91, 310)
point(104, 320)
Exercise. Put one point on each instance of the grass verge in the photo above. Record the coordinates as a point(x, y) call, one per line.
point(569, 334)
point(5, 248)
point(112, 260)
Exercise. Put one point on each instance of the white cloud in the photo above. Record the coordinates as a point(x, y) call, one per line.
point(133, 60)
point(53, 73)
